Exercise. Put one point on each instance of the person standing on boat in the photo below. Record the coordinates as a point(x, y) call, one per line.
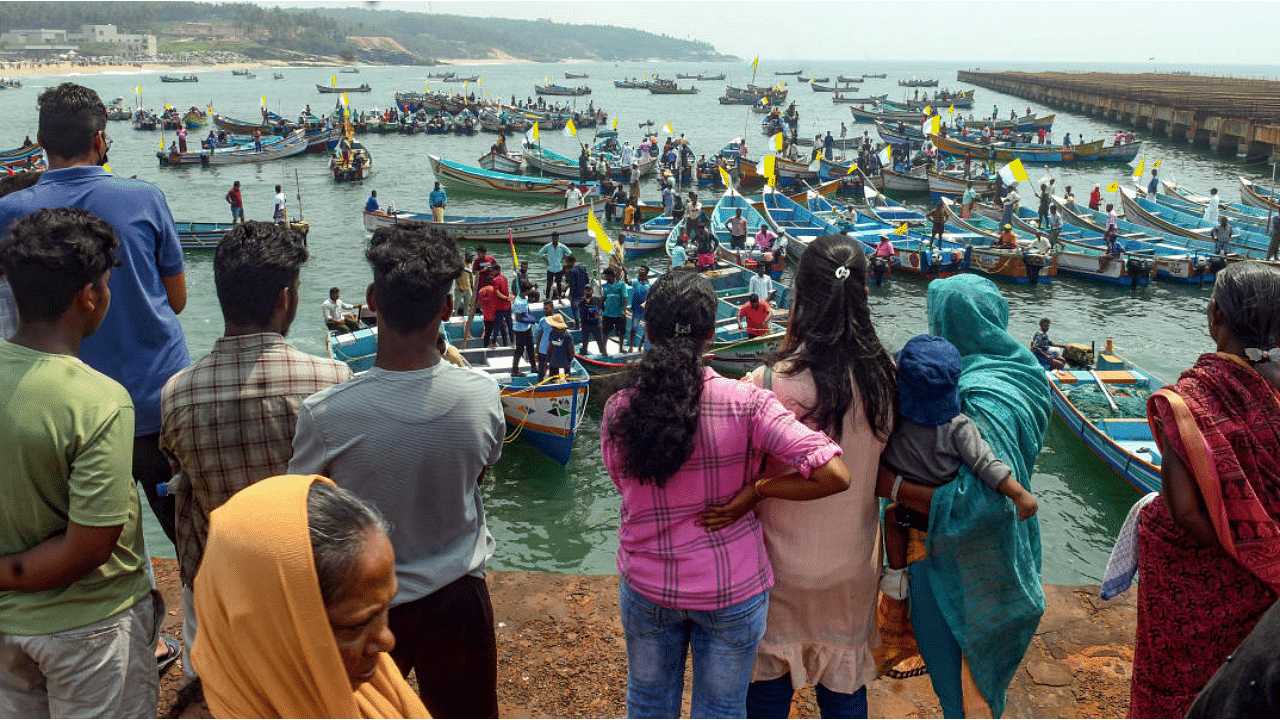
point(502, 304)
point(589, 308)
point(576, 277)
point(236, 202)
point(1113, 220)
point(437, 199)
point(692, 214)
point(761, 285)
point(1273, 249)
point(737, 227)
point(938, 216)
point(627, 154)
point(555, 253)
point(414, 437)
point(280, 212)
point(639, 293)
point(1211, 209)
point(1055, 225)
point(1042, 217)
point(757, 313)
point(1010, 207)
point(668, 199)
point(522, 329)
point(615, 291)
point(464, 288)
point(182, 138)
point(1153, 187)
point(828, 145)
point(1095, 197)
point(967, 201)
point(1221, 237)
point(572, 196)
point(257, 140)
point(584, 165)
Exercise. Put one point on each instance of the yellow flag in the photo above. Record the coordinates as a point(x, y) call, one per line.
point(755, 64)
point(594, 229)
point(464, 86)
point(162, 143)
point(951, 110)
point(570, 128)
point(334, 81)
point(852, 167)
point(535, 131)
point(1114, 187)
point(931, 124)
point(724, 176)
point(928, 110)
point(479, 80)
point(138, 89)
point(615, 123)
point(1156, 164)
point(667, 129)
point(768, 168)
point(344, 99)
point(902, 230)
point(1019, 172)
point(779, 142)
point(264, 101)
point(1142, 167)
point(764, 101)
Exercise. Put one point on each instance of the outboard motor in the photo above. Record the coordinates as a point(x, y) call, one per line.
point(1138, 268)
point(1033, 263)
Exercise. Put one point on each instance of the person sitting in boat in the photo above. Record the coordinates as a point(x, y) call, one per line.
point(338, 315)
point(371, 205)
point(1007, 240)
point(499, 147)
point(1113, 250)
point(1042, 347)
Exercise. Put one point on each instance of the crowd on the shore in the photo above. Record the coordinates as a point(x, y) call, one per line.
point(210, 57)
point(332, 540)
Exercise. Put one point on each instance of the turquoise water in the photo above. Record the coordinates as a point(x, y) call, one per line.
point(557, 519)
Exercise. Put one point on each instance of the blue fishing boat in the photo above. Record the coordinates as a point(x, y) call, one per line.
point(546, 413)
point(505, 184)
point(207, 235)
point(1259, 196)
point(1187, 260)
point(1106, 409)
point(1245, 243)
point(1080, 252)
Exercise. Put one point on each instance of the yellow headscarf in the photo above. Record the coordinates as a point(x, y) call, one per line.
point(263, 644)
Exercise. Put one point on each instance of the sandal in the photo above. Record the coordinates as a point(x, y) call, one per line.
point(909, 668)
point(173, 650)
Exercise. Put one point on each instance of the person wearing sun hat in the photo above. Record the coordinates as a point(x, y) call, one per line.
point(930, 443)
point(559, 347)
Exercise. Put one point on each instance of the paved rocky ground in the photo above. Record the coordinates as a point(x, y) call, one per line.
point(561, 654)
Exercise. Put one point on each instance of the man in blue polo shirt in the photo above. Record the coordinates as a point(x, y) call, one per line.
point(140, 343)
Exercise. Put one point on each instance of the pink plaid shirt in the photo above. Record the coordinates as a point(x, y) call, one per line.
point(662, 552)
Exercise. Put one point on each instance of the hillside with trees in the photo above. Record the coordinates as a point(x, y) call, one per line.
point(279, 33)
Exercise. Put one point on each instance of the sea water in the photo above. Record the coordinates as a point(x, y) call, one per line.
point(554, 519)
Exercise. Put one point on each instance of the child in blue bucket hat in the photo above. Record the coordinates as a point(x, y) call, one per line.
point(930, 442)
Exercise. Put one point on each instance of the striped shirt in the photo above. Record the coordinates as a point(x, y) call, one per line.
point(663, 553)
point(228, 422)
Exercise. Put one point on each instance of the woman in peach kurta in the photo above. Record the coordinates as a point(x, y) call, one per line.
point(825, 553)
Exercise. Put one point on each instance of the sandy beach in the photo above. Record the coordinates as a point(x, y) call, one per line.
point(66, 69)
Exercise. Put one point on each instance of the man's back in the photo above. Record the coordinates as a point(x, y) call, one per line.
point(415, 444)
point(66, 439)
point(140, 344)
point(229, 421)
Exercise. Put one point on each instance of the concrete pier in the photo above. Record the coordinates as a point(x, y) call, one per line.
point(1229, 115)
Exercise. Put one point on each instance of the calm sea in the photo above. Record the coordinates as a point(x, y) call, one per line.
point(553, 519)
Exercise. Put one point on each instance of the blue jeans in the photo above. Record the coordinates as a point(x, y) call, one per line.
point(724, 651)
point(938, 647)
point(772, 699)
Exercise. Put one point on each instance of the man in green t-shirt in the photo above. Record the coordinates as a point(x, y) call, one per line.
point(78, 622)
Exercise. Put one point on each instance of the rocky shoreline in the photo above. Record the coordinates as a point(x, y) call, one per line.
point(561, 653)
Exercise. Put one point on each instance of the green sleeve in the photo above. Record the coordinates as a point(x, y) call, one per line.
point(103, 491)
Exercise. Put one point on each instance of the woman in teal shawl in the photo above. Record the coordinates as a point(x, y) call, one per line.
point(977, 594)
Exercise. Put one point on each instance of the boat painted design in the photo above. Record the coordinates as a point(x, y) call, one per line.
point(1258, 196)
point(505, 184)
point(294, 144)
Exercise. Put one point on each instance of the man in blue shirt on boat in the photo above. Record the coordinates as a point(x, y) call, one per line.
point(576, 277)
point(555, 254)
point(371, 205)
point(1221, 236)
point(1042, 347)
point(437, 200)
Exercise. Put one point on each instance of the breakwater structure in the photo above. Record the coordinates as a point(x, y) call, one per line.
point(1228, 115)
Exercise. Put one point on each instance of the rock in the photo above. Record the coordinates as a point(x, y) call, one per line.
point(1054, 675)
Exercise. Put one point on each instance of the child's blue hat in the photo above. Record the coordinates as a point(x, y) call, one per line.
point(928, 373)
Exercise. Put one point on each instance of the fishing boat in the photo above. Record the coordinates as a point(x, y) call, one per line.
point(574, 76)
point(1007, 151)
point(914, 83)
point(790, 72)
point(179, 78)
point(277, 76)
point(1245, 243)
point(195, 119)
point(878, 76)
point(718, 76)
point(328, 89)
point(673, 90)
point(952, 183)
point(22, 157)
point(509, 162)
point(240, 72)
point(1026, 123)
point(856, 100)
point(1018, 265)
point(547, 413)
point(814, 80)
point(1196, 264)
point(549, 162)
point(907, 117)
point(887, 210)
point(351, 166)
point(1237, 211)
point(294, 144)
point(915, 181)
point(440, 76)
point(649, 237)
point(349, 70)
point(207, 235)
point(849, 78)
point(561, 90)
point(1258, 196)
point(1098, 151)
point(536, 229)
point(506, 184)
point(460, 79)
point(1106, 408)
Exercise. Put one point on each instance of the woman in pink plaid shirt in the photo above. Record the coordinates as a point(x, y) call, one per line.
point(681, 438)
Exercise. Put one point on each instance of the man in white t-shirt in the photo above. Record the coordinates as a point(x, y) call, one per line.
point(338, 315)
point(280, 213)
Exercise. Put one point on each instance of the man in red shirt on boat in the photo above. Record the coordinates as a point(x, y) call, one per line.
point(757, 313)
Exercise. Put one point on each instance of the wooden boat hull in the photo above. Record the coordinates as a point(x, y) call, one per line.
point(1124, 443)
point(207, 235)
point(278, 149)
point(547, 415)
point(325, 89)
point(1258, 196)
point(903, 182)
point(561, 91)
point(534, 229)
point(479, 179)
point(511, 164)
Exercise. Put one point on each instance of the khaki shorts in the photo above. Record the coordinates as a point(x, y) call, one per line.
point(103, 669)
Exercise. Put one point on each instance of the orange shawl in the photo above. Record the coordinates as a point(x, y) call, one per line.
point(263, 645)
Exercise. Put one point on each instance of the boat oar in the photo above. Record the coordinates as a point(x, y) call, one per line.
point(1105, 392)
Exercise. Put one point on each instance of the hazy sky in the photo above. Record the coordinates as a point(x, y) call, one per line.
point(1035, 31)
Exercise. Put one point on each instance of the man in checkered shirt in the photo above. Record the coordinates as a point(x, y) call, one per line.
point(229, 419)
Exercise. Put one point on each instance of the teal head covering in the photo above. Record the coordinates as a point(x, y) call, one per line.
point(984, 565)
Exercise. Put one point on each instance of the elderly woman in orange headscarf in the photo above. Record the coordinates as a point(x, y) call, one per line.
point(292, 599)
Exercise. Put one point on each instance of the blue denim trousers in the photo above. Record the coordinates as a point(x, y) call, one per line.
point(724, 651)
point(772, 699)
